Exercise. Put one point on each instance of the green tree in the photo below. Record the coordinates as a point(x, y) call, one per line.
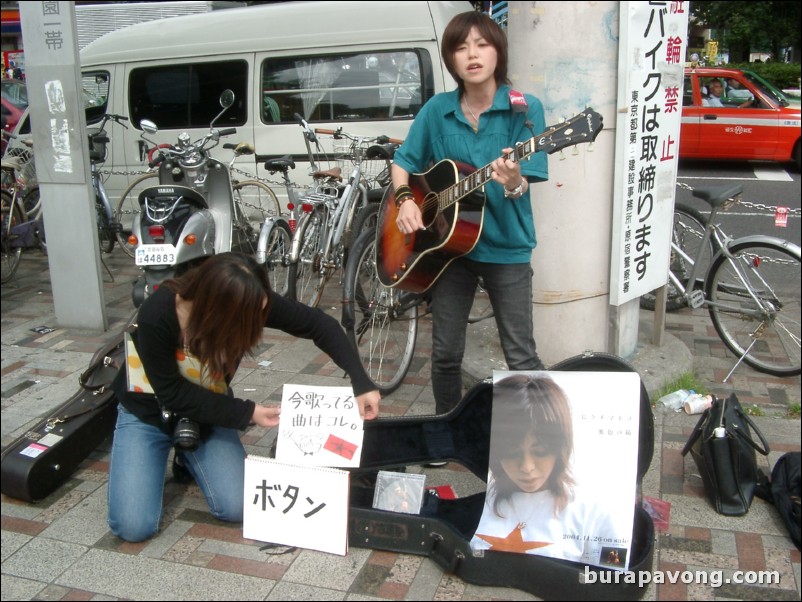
point(751, 26)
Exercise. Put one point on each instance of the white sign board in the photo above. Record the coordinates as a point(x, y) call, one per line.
point(320, 426)
point(651, 73)
point(303, 506)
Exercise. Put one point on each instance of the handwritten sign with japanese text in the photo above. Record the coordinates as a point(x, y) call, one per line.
point(320, 426)
point(303, 506)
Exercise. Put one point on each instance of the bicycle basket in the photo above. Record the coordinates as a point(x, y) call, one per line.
point(372, 169)
point(27, 169)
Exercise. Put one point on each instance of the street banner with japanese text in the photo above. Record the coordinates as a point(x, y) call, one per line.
point(652, 48)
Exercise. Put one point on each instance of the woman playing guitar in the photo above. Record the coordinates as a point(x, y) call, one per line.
point(489, 232)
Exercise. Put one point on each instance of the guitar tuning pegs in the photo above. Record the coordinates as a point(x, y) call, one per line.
point(590, 147)
point(574, 151)
point(562, 156)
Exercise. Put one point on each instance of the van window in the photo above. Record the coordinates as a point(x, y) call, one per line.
point(346, 87)
point(187, 95)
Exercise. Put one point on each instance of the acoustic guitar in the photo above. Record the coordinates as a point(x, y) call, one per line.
point(451, 199)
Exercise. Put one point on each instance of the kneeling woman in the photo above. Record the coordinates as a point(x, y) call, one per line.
point(213, 314)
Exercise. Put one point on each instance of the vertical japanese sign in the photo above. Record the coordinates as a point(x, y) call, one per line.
point(651, 63)
point(292, 505)
point(320, 426)
point(50, 35)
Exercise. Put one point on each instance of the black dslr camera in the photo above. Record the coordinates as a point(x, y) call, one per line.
point(186, 436)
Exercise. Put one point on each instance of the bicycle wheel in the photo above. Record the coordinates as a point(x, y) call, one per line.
point(769, 331)
point(12, 216)
point(689, 228)
point(278, 248)
point(32, 202)
point(128, 208)
point(257, 201)
point(381, 322)
point(308, 275)
point(366, 219)
point(105, 234)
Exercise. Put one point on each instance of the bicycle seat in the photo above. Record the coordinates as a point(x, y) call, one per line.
point(381, 151)
point(11, 163)
point(334, 172)
point(243, 148)
point(281, 164)
point(718, 195)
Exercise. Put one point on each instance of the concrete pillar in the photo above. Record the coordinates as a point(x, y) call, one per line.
point(566, 54)
point(58, 126)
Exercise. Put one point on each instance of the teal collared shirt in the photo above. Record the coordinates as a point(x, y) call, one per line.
point(440, 131)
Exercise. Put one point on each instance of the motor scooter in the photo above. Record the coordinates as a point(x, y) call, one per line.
point(190, 214)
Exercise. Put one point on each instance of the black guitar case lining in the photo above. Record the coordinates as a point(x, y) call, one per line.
point(444, 528)
point(42, 459)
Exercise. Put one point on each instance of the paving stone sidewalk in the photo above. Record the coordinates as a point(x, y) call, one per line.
point(61, 549)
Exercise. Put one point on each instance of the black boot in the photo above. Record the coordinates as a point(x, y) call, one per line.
point(181, 474)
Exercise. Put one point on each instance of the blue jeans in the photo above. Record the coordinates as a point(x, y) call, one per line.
point(509, 287)
point(139, 456)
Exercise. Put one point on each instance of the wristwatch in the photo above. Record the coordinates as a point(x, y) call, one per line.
point(515, 192)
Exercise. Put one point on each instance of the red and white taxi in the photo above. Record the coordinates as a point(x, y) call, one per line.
point(733, 114)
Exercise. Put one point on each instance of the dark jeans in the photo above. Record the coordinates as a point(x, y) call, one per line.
point(509, 287)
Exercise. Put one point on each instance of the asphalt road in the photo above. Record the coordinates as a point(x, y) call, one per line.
point(769, 184)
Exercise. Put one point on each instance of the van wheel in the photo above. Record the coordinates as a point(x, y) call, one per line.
point(798, 156)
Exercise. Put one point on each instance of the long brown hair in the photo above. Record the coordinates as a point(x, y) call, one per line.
point(227, 292)
point(526, 404)
point(457, 31)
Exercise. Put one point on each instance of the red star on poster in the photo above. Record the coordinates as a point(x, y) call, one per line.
point(513, 542)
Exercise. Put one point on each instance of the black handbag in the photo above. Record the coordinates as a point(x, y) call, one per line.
point(723, 448)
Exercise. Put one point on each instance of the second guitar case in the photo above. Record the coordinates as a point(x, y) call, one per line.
point(444, 528)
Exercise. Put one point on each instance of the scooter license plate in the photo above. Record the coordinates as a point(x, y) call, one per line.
point(155, 255)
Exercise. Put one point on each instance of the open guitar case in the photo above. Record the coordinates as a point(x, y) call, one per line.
point(444, 528)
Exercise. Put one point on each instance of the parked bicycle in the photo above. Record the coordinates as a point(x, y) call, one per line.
point(382, 322)
point(751, 288)
point(107, 225)
point(325, 231)
point(22, 226)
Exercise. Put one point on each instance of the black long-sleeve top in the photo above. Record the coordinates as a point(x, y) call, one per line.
point(158, 336)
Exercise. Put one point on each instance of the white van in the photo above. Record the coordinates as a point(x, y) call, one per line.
point(367, 67)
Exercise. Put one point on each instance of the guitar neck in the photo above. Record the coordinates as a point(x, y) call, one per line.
point(482, 176)
point(583, 127)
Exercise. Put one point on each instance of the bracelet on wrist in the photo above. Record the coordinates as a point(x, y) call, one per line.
point(514, 193)
point(401, 199)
